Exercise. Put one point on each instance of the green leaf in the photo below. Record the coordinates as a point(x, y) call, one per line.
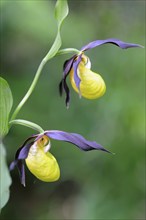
point(6, 101)
point(5, 179)
point(61, 11)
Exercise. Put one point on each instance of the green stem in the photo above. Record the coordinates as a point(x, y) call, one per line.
point(30, 90)
point(27, 124)
point(37, 75)
point(68, 50)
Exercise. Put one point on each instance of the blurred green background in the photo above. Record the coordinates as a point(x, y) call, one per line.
point(93, 185)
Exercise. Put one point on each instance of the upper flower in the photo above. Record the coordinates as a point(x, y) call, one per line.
point(84, 81)
point(40, 162)
point(91, 85)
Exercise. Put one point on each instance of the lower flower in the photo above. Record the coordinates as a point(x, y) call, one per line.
point(41, 163)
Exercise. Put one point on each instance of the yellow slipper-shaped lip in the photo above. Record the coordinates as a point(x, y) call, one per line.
point(92, 86)
point(42, 164)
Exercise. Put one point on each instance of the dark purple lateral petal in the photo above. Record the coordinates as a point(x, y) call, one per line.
point(13, 164)
point(22, 152)
point(63, 85)
point(75, 139)
point(66, 69)
point(21, 169)
point(68, 65)
point(75, 68)
point(114, 41)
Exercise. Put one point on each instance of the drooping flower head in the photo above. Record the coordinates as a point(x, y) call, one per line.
point(40, 162)
point(87, 83)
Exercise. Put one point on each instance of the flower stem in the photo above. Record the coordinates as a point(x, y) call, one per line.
point(30, 90)
point(37, 75)
point(27, 124)
point(68, 50)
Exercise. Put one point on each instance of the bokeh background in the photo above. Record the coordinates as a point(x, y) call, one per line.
point(93, 185)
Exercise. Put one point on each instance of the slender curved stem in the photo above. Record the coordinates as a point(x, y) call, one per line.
point(68, 50)
point(30, 90)
point(27, 124)
point(37, 75)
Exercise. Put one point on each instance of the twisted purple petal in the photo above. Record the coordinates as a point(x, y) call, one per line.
point(75, 139)
point(21, 169)
point(68, 65)
point(75, 68)
point(22, 152)
point(20, 155)
point(63, 85)
point(117, 42)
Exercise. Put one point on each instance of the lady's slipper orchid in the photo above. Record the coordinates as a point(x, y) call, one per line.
point(42, 163)
point(85, 82)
